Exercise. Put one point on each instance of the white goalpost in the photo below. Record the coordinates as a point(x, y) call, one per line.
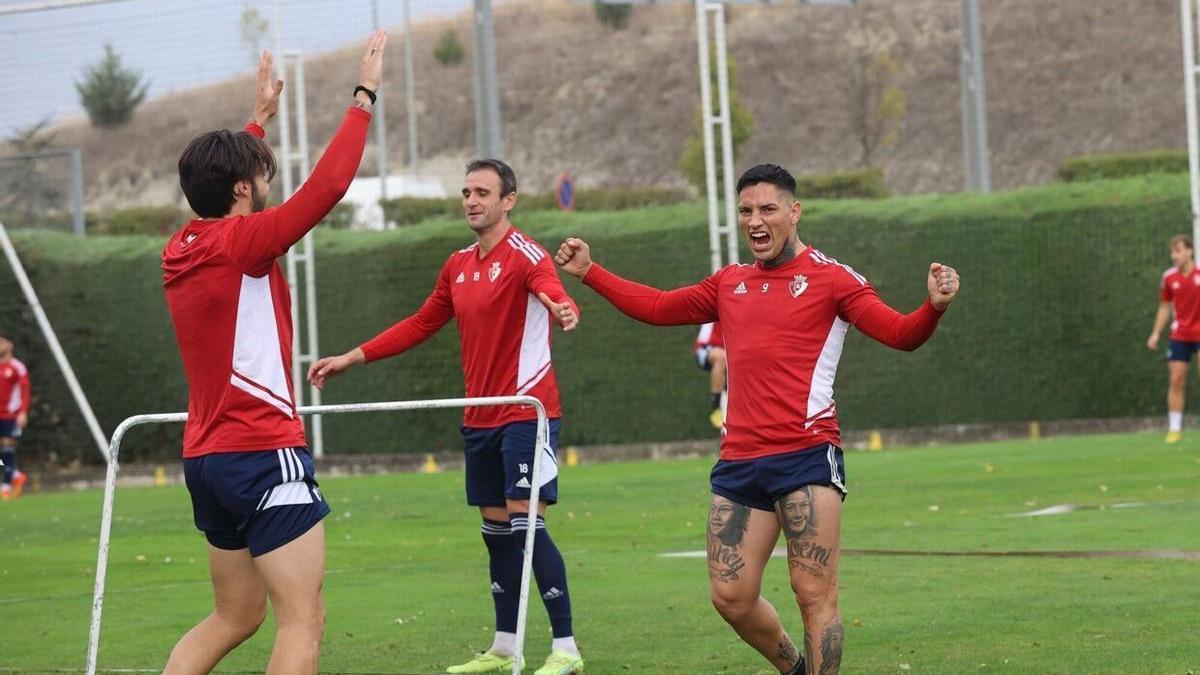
point(110, 484)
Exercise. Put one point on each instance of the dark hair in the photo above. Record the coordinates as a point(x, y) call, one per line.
point(508, 179)
point(213, 162)
point(1181, 239)
point(768, 173)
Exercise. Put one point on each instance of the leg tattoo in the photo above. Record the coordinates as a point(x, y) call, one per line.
point(726, 527)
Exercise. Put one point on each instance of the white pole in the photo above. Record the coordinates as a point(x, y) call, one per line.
point(414, 155)
point(706, 122)
point(1193, 129)
point(380, 124)
point(52, 339)
point(731, 242)
point(110, 485)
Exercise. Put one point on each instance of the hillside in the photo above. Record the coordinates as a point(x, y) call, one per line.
point(616, 107)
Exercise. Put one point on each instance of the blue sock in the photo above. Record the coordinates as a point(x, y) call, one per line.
point(550, 572)
point(504, 554)
point(9, 457)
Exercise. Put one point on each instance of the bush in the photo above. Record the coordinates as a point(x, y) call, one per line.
point(1122, 164)
point(867, 184)
point(615, 16)
point(449, 50)
point(154, 220)
point(341, 217)
point(411, 210)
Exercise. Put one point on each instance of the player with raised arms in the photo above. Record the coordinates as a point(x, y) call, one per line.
point(784, 319)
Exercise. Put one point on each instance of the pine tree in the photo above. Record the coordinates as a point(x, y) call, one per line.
point(109, 92)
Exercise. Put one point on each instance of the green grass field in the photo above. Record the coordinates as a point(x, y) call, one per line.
point(407, 587)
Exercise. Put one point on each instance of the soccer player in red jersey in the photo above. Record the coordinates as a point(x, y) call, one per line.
point(503, 292)
point(710, 356)
point(251, 479)
point(784, 320)
point(1179, 291)
point(14, 415)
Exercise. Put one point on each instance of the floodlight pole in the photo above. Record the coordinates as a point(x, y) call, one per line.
point(487, 94)
point(1193, 128)
point(380, 124)
point(976, 156)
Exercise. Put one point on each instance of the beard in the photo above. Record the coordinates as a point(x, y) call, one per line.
point(258, 202)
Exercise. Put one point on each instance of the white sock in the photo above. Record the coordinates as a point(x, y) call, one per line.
point(566, 644)
point(504, 644)
point(1175, 421)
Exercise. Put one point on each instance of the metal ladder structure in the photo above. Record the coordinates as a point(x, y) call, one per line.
point(301, 269)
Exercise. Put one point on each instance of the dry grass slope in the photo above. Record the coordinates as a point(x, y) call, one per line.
point(1063, 78)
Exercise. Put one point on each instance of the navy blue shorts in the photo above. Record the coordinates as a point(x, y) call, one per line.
point(1178, 350)
point(500, 462)
point(9, 429)
point(759, 483)
point(259, 500)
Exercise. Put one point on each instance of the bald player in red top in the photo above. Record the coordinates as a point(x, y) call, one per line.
point(503, 292)
point(784, 320)
point(1179, 293)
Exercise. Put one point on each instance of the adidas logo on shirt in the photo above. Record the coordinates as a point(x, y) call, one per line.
point(552, 594)
point(523, 483)
point(461, 278)
point(741, 289)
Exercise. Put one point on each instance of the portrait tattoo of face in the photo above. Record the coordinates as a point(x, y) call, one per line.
point(727, 521)
point(796, 513)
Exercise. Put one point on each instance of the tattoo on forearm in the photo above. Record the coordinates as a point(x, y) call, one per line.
point(726, 526)
point(361, 106)
point(831, 648)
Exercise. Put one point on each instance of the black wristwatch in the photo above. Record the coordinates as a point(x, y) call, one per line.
point(370, 94)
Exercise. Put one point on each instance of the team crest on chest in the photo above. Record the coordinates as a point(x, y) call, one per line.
point(798, 285)
point(494, 272)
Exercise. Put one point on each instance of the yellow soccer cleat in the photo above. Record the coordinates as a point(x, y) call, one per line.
point(487, 662)
point(1173, 437)
point(562, 663)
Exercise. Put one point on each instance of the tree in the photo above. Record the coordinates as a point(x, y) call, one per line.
point(27, 193)
point(449, 50)
point(254, 29)
point(691, 163)
point(615, 16)
point(109, 92)
point(880, 105)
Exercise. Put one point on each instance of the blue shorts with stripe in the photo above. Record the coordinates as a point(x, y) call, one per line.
point(1181, 350)
point(499, 463)
point(759, 483)
point(259, 500)
point(9, 429)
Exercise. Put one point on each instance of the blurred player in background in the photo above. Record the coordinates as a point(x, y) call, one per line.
point(784, 319)
point(14, 415)
point(503, 293)
point(1178, 292)
point(710, 356)
point(251, 479)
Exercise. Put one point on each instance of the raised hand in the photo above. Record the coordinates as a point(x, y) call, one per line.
point(372, 61)
point(266, 90)
point(943, 285)
point(574, 257)
point(561, 311)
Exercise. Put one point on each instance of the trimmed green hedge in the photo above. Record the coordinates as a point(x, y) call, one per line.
point(1123, 165)
point(1059, 293)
